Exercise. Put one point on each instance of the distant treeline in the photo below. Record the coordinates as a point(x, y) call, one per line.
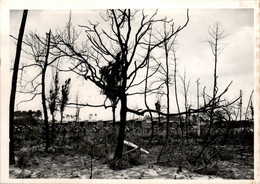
point(27, 117)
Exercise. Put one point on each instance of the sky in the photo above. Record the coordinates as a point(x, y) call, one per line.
point(235, 63)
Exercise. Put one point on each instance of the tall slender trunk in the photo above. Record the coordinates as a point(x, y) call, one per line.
point(176, 94)
point(186, 117)
point(214, 93)
point(145, 101)
point(168, 101)
point(167, 92)
point(198, 106)
point(13, 88)
point(214, 86)
point(177, 104)
point(185, 90)
point(44, 96)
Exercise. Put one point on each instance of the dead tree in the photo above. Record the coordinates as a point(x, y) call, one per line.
point(44, 69)
point(124, 44)
point(145, 98)
point(40, 51)
point(167, 45)
point(14, 86)
point(167, 81)
point(216, 34)
point(176, 92)
point(198, 106)
point(186, 105)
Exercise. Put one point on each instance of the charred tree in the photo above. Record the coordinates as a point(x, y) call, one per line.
point(41, 52)
point(14, 86)
point(43, 96)
point(186, 105)
point(125, 44)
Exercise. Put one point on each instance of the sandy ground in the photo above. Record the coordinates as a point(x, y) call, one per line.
point(79, 167)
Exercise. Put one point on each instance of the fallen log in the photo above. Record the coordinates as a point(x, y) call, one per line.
point(135, 146)
point(132, 150)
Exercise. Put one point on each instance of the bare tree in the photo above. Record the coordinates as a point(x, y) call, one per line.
point(44, 69)
point(216, 34)
point(14, 86)
point(167, 45)
point(125, 45)
point(186, 105)
point(198, 105)
point(167, 80)
point(176, 92)
point(145, 98)
point(41, 51)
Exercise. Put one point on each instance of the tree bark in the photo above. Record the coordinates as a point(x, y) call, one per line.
point(121, 135)
point(44, 96)
point(13, 88)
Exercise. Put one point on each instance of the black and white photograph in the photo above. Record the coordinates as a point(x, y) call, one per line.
point(156, 93)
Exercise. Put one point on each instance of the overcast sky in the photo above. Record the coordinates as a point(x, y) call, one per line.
point(236, 62)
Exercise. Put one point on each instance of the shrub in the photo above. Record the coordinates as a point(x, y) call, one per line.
point(23, 158)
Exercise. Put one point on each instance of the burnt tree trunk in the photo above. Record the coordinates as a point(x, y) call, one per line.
point(114, 115)
point(176, 97)
point(167, 92)
point(13, 88)
point(145, 101)
point(214, 87)
point(121, 135)
point(46, 124)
